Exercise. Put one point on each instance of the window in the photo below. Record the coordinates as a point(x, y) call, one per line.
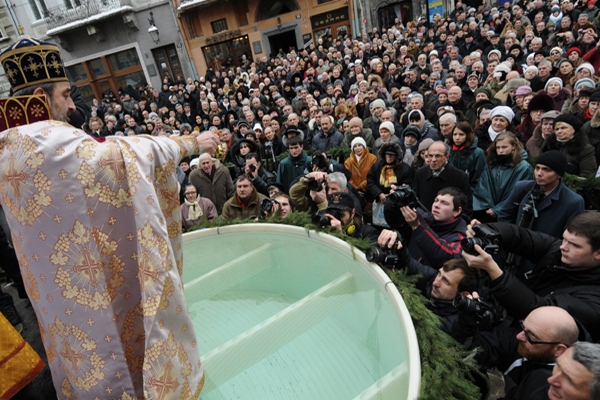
point(194, 25)
point(39, 9)
point(219, 25)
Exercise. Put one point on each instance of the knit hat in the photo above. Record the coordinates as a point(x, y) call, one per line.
point(502, 111)
point(412, 130)
point(485, 90)
point(557, 49)
point(523, 90)
point(442, 91)
point(553, 159)
point(195, 162)
point(257, 126)
point(569, 119)
point(541, 101)
point(358, 140)
point(556, 80)
point(433, 52)
point(378, 103)
point(574, 49)
point(586, 65)
point(584, 82)
point(387, 125)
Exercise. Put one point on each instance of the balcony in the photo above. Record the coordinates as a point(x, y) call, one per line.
point(62, 19)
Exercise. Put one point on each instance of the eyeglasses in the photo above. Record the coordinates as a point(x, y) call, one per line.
point(554, 53)
point(533, 341)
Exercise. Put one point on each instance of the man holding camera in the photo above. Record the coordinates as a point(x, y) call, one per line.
point(341, 214)
point(441, 286)
point(261, 178)
point(566, 272)
point(246, 201)
point(439, 240)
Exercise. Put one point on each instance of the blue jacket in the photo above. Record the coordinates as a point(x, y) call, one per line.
point(496, 183)
point(554, 211)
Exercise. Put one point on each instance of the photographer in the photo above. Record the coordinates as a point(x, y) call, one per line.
point(279, 205)
point(566, 272)
point(261, 178)
point(441, 286)
point(311, 190)
point(341, 214)
point(438, 240)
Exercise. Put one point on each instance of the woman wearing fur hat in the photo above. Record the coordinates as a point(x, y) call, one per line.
point(388, 171)
point(239, 151)
point(538, 105)
point(359, 164)
point(569, 139)
point(506, 165)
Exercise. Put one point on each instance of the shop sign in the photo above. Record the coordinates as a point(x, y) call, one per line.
point(223, 36)
point(329, 18)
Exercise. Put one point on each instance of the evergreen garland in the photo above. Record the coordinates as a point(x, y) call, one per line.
point(444, 372)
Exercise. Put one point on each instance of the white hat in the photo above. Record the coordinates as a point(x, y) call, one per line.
point(502, 111)
point(586, 65)
point(554, 79)
point(358, 140)
point(387, 125)
point(195, 162)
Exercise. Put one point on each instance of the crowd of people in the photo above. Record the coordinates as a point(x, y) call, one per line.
point(423, 138)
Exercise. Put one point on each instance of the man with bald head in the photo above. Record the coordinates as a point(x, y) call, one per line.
point(526, 351)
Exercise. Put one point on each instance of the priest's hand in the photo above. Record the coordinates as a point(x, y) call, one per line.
point(208, 142)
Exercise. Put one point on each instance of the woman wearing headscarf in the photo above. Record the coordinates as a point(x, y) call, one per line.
point(196, 209)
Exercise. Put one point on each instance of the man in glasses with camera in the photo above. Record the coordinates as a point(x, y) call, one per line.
point(526, 352)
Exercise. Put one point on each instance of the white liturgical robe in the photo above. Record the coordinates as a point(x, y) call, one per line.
point(97, 230)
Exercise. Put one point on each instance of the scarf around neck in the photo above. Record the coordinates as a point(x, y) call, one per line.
point(195, 211)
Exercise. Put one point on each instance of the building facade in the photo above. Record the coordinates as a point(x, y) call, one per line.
point(9, 31)
point(228, 32)
point(110, 44)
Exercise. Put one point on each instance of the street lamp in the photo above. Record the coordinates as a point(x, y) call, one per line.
point(153, 30)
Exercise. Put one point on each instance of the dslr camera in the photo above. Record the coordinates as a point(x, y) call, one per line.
point(486, 238)
point(252, 167)
point(265, 207)
point(381, 255)
point(403, 196)
point(321, 220)
point(485, 314)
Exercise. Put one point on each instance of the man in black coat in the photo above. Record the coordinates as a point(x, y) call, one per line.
point(440, 286)
point(526, 352)
point(440, 174)
point(261, 178)
point(432, 238)
point(566, 272)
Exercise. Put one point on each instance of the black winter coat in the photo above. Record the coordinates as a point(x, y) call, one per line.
point(551, 283)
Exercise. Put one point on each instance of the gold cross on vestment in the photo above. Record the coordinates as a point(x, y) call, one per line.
point(88, 266)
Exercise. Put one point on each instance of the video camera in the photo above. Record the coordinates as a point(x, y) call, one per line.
point(486, 238)
point(486, 315)
point(381, 255)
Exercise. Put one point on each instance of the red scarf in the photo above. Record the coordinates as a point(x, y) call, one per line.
point(456, 148)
